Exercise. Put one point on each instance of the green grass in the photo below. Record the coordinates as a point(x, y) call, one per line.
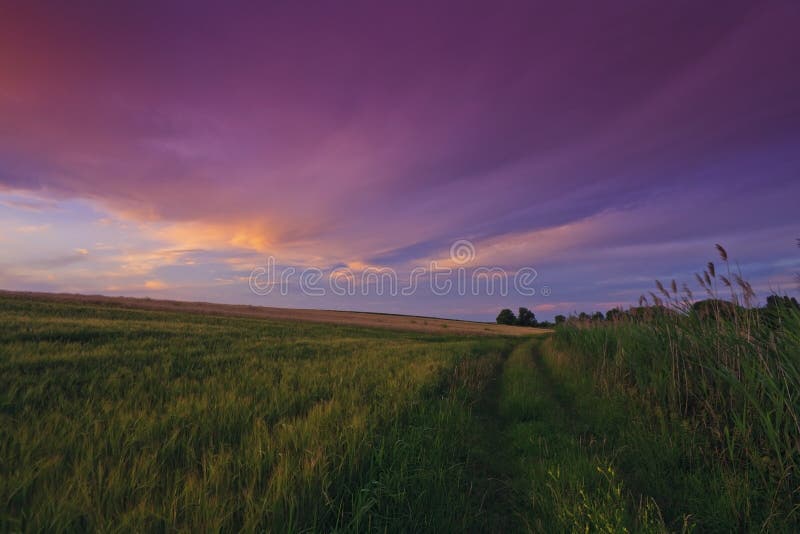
point(124, 420)
point(565, 477)
point(707, 409)
point(128, 420)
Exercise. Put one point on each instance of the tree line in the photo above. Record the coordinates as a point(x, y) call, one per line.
point(524, 317)
point(708, 308)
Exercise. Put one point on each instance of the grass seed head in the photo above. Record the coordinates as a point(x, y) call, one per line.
point(700, 280)
point(723, 254)
point(660, 287)
point(688, 291)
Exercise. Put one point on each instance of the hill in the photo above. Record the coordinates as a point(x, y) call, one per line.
point(364, 319)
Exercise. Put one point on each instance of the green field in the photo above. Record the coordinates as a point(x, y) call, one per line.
point(133, 420)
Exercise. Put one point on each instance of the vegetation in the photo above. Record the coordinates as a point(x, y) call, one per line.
point(141, 420)
point(506, 316)
point(709, 395)
point(564, 477)
point(134, 420)
point(525, 317)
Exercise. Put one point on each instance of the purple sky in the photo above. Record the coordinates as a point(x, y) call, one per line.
point(167, 150)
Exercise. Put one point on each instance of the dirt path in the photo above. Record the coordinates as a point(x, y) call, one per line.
point(494, 464)
point(548, 471)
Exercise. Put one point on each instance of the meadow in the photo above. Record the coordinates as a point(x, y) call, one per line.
point(133, 420)
point(138, 420)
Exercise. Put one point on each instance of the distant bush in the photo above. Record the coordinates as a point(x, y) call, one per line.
point(526, 317)
point(776, 302)
point(716, 309)
point(506, 316)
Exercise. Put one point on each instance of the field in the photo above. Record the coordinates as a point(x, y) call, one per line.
point(130, 419)
point(118, 418)
point(366, 319)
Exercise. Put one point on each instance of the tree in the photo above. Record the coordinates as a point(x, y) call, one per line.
point(614, 314)
point(775, 302)
point(526, 317)
point(597, 316)
point(716, 309)
point(778, 310)
point(560, 319)
point(506, 316)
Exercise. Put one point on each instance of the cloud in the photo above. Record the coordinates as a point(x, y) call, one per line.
point(59, 262)
point(36, 206)
point(144, 262)
point(557, 145)
point(155, 284)
point(33, 228)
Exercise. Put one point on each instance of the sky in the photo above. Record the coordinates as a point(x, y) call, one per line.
point(174, 150)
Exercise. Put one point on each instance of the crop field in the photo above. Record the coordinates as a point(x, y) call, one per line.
point(139, 420)
point(370, 320)
point(132, 420)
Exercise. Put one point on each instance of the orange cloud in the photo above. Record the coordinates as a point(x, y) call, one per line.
point(197, 234)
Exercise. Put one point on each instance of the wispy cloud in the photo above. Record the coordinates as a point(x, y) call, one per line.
point(57, 262)
point(36, 205)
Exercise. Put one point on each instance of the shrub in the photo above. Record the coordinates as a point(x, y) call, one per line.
point(526, 317)
point(506, 316)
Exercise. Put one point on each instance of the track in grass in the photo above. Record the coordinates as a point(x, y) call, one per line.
point(559, 476)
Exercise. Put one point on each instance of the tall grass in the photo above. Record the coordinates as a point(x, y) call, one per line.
point(727, 372)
